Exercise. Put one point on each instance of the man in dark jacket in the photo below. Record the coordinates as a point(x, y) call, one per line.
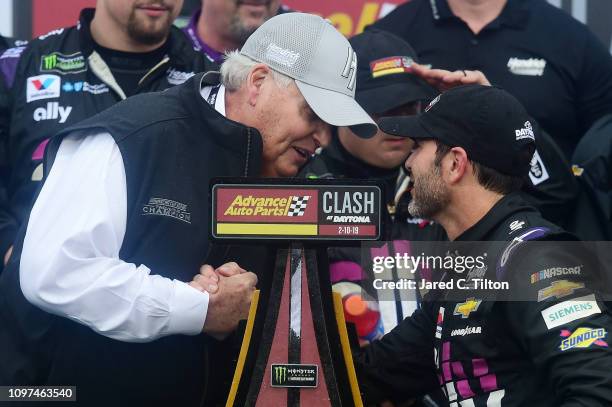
point(119, 49)
point(96, 291)
point(513, 329)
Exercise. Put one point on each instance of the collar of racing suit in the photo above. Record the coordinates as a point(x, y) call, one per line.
point(502, 210)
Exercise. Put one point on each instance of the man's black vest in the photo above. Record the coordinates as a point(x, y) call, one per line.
point(171, 144)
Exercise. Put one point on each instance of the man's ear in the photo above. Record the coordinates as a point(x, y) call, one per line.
point(457, 164)
point(255, 82)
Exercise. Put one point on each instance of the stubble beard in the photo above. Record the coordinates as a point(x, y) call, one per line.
point(239, 31)
point(148, 34)
point(429, 195)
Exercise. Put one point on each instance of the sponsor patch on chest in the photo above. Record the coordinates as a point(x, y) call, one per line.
point(168, 208)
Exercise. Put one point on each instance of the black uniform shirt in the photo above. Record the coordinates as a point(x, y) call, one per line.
point(551, 62)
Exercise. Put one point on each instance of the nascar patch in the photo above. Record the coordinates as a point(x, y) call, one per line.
point(583, 338)
point(390, 65)
point(571, 310)
point(555, 272)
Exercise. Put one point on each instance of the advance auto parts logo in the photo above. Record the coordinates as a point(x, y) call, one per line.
point(63, 64)
point(293, 375)
point(304, 212)
point(249, 205)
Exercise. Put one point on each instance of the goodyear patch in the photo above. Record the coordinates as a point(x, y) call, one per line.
point(390, 65)
point(583, 338)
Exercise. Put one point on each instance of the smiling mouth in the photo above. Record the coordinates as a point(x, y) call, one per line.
point(154, 8)
point(303, 152)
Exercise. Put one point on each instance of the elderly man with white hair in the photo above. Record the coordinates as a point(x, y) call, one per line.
point(98, 293)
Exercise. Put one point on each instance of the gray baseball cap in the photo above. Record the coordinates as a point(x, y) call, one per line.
point(310, 50)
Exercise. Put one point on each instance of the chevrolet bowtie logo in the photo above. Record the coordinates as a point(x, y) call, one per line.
point(559, 289)
point(464, 309)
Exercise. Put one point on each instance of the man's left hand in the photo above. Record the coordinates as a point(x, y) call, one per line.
point(208, 278)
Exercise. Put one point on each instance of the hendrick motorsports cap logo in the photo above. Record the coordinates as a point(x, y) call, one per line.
point(318, 210)
point(294, 375)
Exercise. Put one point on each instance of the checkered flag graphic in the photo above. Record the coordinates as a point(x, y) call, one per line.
point(298, 205)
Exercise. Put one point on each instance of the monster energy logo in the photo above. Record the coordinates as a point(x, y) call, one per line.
point(61, 63)
point(294, 375)
point(50, 61)
point(280, 373)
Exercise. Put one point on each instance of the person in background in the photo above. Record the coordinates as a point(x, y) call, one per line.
point(553, 64)
point(6, 42)
point(118, 49)
point(550, 62)
point(97, 291)
point(224, 25)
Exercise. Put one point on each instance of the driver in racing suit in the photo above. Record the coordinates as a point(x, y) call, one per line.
point(541, 342)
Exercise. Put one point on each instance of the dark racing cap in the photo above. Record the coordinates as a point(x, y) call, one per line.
point(489, 123)
point(384, 80)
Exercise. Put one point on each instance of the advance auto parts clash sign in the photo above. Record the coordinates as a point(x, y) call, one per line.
point(301, 212)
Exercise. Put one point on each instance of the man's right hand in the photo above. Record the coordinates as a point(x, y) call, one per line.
point(229, 304)
point(444, 80)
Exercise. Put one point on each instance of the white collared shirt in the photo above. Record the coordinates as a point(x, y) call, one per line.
point(70, 263)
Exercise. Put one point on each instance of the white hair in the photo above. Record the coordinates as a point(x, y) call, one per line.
point(236, 68)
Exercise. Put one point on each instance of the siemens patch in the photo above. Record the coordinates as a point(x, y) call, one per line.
point(571, 310)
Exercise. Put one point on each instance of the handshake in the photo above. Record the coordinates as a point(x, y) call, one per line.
point(230, 290)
